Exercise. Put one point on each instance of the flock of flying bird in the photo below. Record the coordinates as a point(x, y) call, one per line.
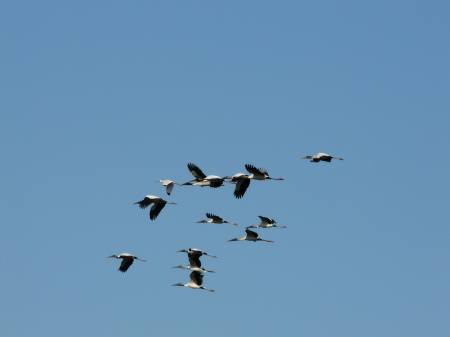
point(242, 182)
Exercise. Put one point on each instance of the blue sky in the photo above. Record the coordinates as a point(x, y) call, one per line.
point(101, 99)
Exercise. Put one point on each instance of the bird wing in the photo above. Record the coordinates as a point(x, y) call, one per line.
point(196, 172)
point(251, 233)
point(196, 277)
point(194, 261)
point(155, 210)
point(126, 263)
point(169, 187)
point(252, 169)
point(326, 158)
point(147, 201)
point(267, 220)
point(241, 187)
point(214, 217)
point(215, 183)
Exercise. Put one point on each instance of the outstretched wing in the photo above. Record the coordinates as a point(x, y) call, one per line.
point(126, 263)
point(155, 210)
point(196, 277)
point(196, 172)
point(251, 233)
point(252, 169)
point(214, 217)
point(241, 187)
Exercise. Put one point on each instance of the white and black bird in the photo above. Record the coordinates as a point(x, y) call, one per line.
point(169, 185)
point(243, 180)
point(203, 180)
point(194, 252)
point(195, 264)
point(215, 219)
point(251, 236)
point(127, 261)
point(195, 282)
point(266, 223)
point(320, 157)
point(158, 205)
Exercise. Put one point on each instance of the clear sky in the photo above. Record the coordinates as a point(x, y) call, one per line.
point(100, 99)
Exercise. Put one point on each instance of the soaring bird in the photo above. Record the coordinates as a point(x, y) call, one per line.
point(251, 236)
point(243, 180)
point(195, 282)
point(127, 261)
point(320, 157)
point(215, 219)
point(158, 205)
point(266, 223)
point(194, 252)
point(195, 264)
point(169, 185)
point(202, 180)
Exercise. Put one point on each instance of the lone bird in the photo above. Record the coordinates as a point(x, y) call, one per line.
point(194, 252)
point(215, 219)
point(195, 282)
point(195, 264)
point(158, 205)
point(127, 261)
point(266, 223)
point(169, 185)
point(251, 236)
point(320, 157)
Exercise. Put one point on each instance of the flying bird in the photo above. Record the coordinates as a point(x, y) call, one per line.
point(202, 180)
point(215, 219)
point(266, 223)
point(195, 282)
point(251, 236)
point(158, 205)
point(194, 252)
point(320, 157)
point(169, 185)
point(242, 180)
point(195, 264)
point(127, 261)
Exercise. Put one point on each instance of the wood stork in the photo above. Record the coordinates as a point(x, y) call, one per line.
point(127, 261)
point(195, 264)
point(266, 223)
point(194, 252)
point(202, 180)
point(215, 219)
point(243, 180)
point(320, 157)
point(251, 236)
point(195, 282)
point(158, 205)
point(259, 174)
point(169, 185)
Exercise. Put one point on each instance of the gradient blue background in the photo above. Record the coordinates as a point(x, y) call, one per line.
point(101, 99)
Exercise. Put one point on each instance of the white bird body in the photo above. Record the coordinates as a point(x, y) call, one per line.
point(158, 205)
point(266, 223)
point(127, 261)
point(215, 219)
point(169, 185)
point(194, 252)
point(320, 157)
point(196, 280)
point(251, 236)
